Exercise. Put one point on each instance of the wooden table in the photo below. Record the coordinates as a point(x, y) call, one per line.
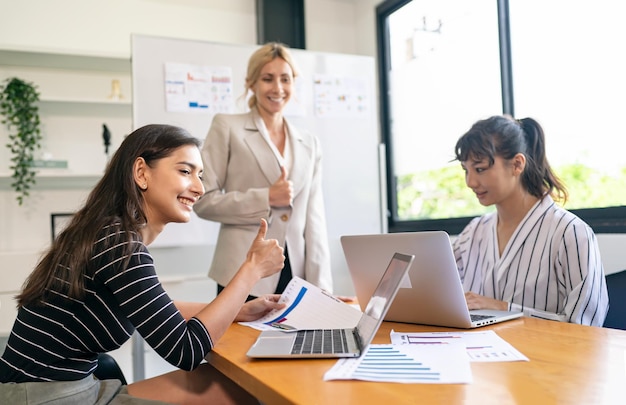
point(569, 364)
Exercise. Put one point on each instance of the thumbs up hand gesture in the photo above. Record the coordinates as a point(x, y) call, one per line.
point(265, 255)
point(281, 192)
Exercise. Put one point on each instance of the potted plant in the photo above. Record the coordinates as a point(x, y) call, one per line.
point(18, 106)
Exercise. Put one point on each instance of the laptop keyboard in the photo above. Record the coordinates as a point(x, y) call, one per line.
point(320, 341)
point(476, 317)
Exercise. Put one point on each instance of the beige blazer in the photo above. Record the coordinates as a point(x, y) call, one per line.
point(239, 168)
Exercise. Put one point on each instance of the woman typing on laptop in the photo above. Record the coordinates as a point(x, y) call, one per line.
point(530, 254)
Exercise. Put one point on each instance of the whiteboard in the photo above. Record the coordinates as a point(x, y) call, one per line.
point(350, 142)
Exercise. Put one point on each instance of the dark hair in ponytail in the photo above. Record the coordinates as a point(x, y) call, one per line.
point(505, 137)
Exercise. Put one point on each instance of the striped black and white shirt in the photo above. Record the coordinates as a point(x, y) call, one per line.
point(60, 340)
point(550, 268)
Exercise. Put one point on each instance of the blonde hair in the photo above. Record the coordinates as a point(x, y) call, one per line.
point(262, 57)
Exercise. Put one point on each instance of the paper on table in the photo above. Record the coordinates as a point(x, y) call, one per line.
point(308, 307)
point(480, 346)
point(443, 364)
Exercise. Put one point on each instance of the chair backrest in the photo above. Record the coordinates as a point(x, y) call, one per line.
point(108, 369)
point(616, 285)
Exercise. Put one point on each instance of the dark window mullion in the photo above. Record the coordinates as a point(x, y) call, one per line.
point(506, 70)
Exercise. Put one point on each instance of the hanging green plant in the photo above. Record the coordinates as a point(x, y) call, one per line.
point(18, 106)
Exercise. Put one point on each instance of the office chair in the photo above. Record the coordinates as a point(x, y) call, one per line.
point(108, 369)
point(616, 285)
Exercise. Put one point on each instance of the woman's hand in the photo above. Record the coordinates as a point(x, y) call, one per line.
point(476, 301)
point(255, 309)
point(281, 192)
point(265, 255)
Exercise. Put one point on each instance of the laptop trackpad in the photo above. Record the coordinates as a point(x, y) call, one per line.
point(271, 342)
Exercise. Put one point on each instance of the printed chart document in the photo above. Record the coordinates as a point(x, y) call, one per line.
point(442, 364)
point(308, 307)
point(480, 346)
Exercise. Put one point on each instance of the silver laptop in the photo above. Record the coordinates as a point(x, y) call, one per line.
point(350, 342)
point(435, 295)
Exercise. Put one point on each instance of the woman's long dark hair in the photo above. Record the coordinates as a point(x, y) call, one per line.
point(502, 136)
point(116, 200)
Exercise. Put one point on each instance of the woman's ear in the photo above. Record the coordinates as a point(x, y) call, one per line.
point(139, 173)
point(519, 163)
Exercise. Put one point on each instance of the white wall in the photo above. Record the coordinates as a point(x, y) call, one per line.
point(104, 27)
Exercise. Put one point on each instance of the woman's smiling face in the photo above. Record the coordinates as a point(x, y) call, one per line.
point(174, 184)
point(492, 184)
point(274, 86)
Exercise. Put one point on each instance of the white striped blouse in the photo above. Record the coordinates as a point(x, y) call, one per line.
point(550, 268)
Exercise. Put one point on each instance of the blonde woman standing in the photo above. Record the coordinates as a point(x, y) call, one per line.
point(258, 165)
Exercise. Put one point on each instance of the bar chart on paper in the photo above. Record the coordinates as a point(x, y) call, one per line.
point(405, 364)
point(480, 346)
point(308, 307)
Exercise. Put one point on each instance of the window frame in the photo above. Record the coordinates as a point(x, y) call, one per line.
point(601, 220)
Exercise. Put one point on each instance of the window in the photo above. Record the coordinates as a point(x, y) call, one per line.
point(574, 84)
point(447, 63)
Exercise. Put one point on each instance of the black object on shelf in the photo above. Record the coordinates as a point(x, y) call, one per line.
point(106, 137)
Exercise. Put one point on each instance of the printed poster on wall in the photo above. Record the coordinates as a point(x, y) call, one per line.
point(340, 96)
point(195, 88)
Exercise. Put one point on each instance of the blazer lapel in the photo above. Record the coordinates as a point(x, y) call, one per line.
point(302, 158)
point(260, 149)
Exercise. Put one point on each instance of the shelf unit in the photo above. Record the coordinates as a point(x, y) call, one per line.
point(75, 101)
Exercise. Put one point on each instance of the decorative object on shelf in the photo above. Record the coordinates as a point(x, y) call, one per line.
point(18, 106)
point(116, 90)
point(106, 138)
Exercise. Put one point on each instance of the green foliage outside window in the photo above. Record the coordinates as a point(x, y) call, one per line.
point(442, 193)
